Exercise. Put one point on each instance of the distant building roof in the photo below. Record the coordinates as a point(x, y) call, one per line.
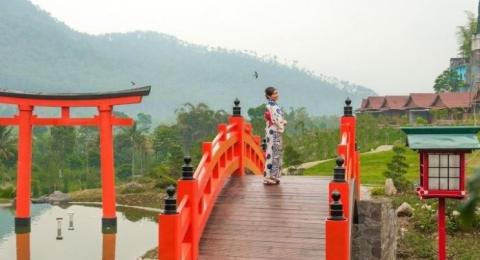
point(394, 103)
point(447, 100)
point(420, 100)
point(374, 103)
point(453, 100)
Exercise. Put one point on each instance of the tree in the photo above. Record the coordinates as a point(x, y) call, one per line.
point(7, 148)
point(465, 34)
point(291, 156)
point(448, 81)
point(397, 168)
point(135, 138)
point(469, 207)
point(198, 123)
point(256, 115)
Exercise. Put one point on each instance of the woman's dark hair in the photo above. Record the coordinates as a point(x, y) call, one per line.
point(269, 91)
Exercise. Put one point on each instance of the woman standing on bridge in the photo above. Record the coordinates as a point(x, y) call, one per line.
point(275, 126)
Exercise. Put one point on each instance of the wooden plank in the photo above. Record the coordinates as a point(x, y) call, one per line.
point(254, 221)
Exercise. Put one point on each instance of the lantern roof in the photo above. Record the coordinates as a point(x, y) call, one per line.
point(442, 138)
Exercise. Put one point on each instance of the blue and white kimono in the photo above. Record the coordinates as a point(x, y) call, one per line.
point(275, 126)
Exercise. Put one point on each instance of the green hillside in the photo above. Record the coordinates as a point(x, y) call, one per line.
point(43, 54)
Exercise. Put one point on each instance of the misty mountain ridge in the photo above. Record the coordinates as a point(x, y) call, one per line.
point(40, 53)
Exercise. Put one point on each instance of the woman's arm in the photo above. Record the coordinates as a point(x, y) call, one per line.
point(277, 117)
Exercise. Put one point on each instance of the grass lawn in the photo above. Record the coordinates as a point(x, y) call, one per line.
point(372, 166)
point(419, 239)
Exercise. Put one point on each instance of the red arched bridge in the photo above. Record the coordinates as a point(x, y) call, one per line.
point(221, 210)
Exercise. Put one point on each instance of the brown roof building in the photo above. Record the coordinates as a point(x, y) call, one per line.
point(420, 104)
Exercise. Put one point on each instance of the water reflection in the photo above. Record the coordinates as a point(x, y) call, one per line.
point(23, 246)
point(84, 242)
point(108, 248)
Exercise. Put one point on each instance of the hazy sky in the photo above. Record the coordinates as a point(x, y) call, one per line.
point(391, 46)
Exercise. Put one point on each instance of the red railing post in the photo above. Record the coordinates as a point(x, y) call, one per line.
point(239, 151)
point(338, 227)
point(337, 244)
point(188, 186)
point(341, 185)
point(169, 240)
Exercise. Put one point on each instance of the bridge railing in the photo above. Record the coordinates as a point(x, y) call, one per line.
point(233, 150)
point(344, 190)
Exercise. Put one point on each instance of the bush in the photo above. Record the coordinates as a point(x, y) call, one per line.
point(7, 192)
point(377, 191)
point(397, 168)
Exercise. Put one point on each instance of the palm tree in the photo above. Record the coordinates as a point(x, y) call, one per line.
point(135, 137)
point(465, 33)
point(7, 145)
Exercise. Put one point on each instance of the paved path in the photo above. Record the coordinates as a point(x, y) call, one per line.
point(381, 148)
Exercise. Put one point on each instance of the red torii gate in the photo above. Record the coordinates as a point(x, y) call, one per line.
point(25, 120)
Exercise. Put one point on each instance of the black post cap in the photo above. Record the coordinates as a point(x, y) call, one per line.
point(347, 109)
point(170, 201)
point(336, 207)
point(237, 110)
point(264, 144)
point(187, 169)
point(339, 170)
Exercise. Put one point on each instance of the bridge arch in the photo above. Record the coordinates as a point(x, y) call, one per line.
point(233, 151)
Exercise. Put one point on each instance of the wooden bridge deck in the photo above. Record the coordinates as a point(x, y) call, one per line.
point(254, 221)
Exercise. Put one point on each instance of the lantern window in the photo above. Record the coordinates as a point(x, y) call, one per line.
point(443, 171)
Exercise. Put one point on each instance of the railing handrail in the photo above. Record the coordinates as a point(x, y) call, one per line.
point(343, 191)
point(233, 149)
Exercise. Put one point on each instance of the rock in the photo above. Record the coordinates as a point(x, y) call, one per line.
point(390, 187)
point(133, 187)
point(405, 210)
point(42, 199)
point(455, 213)
point(58, 197)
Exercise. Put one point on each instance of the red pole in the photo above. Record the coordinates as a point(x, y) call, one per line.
point(441, 229)
point(23, 246)
point(108, 246)
point(24, 168)
point(109, 220)
point(240, 145)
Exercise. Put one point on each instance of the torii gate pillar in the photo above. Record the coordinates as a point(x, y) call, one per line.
point(24, 166)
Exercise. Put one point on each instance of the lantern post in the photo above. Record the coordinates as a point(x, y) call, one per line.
point(442, 152)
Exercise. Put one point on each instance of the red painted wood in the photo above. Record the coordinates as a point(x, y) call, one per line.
point(24, 163)
point(338, 232)
point(108, 246)
point(23, 246)
point(196, 198)
point(442, 255)
point(26, 120)
point(107, 169)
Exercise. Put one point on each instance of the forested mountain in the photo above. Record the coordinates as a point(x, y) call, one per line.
point(40, 53)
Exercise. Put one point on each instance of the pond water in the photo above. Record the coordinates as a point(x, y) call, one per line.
point(137, 232)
